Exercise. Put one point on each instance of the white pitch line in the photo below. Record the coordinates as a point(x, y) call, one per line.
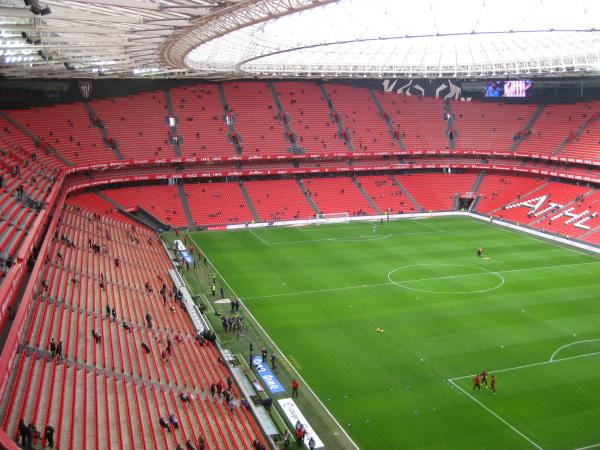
point(589, 446)
point(328, 228)
point(354, 238)
point(421, 222)
point(317, 291)
point(571, 343)
point(524, 366)
point(359, 286)
point(280, 352)
point(497, 416)
point(260, 238)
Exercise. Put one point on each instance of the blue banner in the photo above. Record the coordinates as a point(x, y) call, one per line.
point(185, 254)
point(264, 372)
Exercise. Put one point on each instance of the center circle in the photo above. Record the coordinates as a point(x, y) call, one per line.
point(427, 278)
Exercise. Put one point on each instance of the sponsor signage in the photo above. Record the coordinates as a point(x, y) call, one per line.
point(264, 372)
point(294, 415)
point(185, 254)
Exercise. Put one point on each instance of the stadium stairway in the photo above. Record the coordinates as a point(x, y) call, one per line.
point(369, 199)
point(230, 123)
point(408, 195)
point(186, 206)
point(529, 125)
point(582, 237)
point(312, 204)
point(450, 124)
point(92, 114)
point(478, 182)
point(335, 115)
point(388, 120)
point(294, 148)
point(584, 126)
point(174, 132)
point(249, 202)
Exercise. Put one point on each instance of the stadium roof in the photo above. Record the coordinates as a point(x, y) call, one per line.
point(291, 38)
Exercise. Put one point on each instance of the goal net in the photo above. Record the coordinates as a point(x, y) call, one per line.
point(342, 217)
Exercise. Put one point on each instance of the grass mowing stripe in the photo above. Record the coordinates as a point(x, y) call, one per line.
point(375, 383)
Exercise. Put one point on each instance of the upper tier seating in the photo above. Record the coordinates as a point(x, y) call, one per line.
point(553, 126)
point(386, 194)
point(278, 200)
point(497, 190)
point(588, 144)
point(419, 120)
point(162, 201)
point(255, 118)
point(217, 203)
point(309, 117)
point(67, 128)
point(489, 126)
point(138, 124)
point(108, 392)
point(435, 191)
point(201, 121)
point(13, 138)
point(338, 195)
point(360, 116)
point(26, 183)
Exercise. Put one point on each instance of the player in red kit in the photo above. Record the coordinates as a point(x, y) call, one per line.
point(476, 382)
point(493, 384)
point(483, 376)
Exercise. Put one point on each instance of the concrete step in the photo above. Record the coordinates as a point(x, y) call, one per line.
point(312, 204)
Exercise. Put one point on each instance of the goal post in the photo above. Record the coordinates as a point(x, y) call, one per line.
point(342, 217)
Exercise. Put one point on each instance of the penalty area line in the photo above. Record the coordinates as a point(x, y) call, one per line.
point(512, 427)
point(524, 366)
point(260, 238)
point(589, 446)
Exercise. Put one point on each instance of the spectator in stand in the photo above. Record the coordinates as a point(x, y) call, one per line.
point(114, 314)
point(163, 423)
point(185, 397)
point(145, 347)
point(53, 348)
point(35, 434)
point(149, 320)
point(96, 336)
point(173, 421)
point(49, 435)
point(25, 434)
point(59, 351)
point(189, 445)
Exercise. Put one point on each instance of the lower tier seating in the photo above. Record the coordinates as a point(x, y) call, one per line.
point(162, 201)
point(217, 203)
point(386, 194)
point(435, 191)
point(337, 195)
point(108, 349)
point(278, 200)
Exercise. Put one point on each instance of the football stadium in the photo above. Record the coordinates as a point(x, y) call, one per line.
point(318, 224)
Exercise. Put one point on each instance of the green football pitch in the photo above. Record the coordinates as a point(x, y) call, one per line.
point(528, 311)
